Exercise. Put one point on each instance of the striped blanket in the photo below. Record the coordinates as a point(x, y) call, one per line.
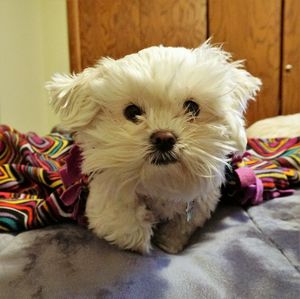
point(41, 181)
point(268, 169)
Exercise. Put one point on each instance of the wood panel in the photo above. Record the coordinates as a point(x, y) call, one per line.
point(106, 28)
point(115, 28)
point(74, 36)
point(291, 58)
point(173, 22)
point(250, 29)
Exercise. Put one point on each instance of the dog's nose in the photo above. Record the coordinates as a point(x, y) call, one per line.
point(163, 140)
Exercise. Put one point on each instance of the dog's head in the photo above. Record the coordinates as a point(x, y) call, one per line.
point(161, 117)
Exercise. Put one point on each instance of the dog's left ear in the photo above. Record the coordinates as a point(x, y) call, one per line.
point(70, 96)
point(241, 86)
point(244, 88)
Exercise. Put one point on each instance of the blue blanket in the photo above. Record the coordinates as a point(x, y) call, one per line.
point(239, 253)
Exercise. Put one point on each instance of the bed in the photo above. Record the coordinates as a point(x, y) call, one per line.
point(241, 252)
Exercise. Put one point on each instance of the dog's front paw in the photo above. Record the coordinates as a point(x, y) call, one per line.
point(167, 244)
point(171, 236)
point(130, 230)
point(136, 239)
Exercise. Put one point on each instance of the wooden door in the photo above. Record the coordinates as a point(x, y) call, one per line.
point(115, 28)
point(251, 30)
point(291, 58)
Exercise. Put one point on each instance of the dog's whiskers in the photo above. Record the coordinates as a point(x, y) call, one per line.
point(162, 158)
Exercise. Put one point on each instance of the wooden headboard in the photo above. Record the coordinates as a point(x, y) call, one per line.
point(264, 32)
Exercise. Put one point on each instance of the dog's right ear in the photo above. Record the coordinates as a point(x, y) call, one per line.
point(70, 96)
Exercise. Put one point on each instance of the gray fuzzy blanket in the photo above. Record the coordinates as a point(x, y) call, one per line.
point(238, 254)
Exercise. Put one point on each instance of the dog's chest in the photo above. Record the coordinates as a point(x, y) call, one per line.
point(163, 208)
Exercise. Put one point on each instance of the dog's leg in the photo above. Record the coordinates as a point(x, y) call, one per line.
point(173, 236)
point(119, 218)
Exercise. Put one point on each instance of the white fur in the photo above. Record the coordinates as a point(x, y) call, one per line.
point(128, 194)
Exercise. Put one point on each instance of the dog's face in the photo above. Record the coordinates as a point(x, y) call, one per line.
point(164, 119)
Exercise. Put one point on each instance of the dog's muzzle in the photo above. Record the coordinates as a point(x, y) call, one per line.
point(163, 143)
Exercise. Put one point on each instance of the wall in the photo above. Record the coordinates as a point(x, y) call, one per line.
point(33, 46)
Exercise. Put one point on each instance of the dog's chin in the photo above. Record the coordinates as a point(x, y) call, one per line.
point(162, 158)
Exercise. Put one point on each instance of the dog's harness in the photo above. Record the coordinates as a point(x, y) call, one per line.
point(41, 181)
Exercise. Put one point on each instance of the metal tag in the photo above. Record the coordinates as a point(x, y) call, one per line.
point(189, 210)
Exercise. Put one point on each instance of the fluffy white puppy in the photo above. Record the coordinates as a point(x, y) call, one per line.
point(155, 129)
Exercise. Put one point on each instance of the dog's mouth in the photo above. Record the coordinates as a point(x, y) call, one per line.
point(163, 158)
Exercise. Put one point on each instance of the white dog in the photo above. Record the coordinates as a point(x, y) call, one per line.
point(155, 128)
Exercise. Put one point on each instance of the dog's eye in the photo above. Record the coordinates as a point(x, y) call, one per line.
point(132, 111)
point(191, 107)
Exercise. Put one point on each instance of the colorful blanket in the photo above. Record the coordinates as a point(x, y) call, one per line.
point(268, 169)
point(39, 184)
point(41, 181)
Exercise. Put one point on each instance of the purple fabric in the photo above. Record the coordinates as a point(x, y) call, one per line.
point(76, 185)
point(251, 185)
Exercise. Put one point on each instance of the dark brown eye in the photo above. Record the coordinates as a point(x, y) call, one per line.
point(191, 107)
point(132, 111)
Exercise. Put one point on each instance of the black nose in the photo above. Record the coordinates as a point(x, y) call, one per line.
point(163, 140)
